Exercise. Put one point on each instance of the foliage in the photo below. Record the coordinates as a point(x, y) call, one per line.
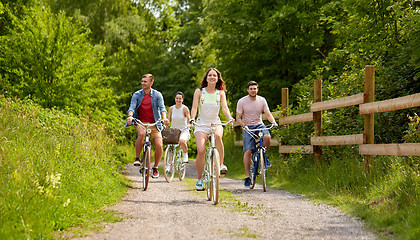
point(413, 132)
point(382, 40)
point(56, 170)
point(49, 59)
point(271, 42)
point(141, 43)
point(94, 13)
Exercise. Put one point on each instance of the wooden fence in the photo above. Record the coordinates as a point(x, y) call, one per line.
point(367, 107)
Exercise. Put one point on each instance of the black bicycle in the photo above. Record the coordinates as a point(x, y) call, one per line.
point(259, 156)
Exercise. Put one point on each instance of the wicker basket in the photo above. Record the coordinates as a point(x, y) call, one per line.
point(170, 135)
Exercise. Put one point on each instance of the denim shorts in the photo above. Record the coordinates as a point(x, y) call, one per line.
point(249, 141)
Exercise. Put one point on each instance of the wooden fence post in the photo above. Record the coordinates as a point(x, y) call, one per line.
point(284, 102)
point(369, 118)
point(317, 120)
point(284, 108)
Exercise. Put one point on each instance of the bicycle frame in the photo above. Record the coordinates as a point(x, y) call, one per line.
point(259, 156)
point(211, 173)
point(146, 155)
point(173, 160)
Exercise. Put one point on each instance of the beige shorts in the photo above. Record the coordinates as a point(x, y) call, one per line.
point(155, 132)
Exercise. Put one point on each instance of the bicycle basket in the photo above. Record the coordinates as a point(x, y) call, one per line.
point(170, 135)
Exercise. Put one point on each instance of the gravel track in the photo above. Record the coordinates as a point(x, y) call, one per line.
point(176, 211)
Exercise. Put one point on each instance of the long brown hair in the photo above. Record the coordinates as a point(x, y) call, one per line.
point(220, 85)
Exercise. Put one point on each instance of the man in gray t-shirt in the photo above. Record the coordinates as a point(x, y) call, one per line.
point(249, 113)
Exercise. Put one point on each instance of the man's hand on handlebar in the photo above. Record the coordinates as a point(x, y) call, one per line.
point(166, 122)
point(275, 125)
point(130, 120)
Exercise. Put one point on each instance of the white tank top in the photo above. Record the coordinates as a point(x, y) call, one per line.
point(178, 119)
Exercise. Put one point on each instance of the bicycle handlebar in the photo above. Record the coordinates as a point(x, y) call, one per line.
point(246, 128)
point(254, 135)
point(137, 121)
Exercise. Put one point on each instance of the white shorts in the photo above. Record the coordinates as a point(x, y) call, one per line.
point(185, 134)
point(205, 129)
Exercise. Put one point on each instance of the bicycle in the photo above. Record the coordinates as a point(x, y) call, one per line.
point(145, 159)
point(173, 162)
point(211, 173)
point(259, 156)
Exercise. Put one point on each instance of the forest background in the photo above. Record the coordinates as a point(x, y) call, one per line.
point(86, 59)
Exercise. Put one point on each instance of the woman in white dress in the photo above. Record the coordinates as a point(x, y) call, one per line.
point(207, 101)
point(179, 115)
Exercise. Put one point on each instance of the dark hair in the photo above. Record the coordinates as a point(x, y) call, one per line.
point(180, 93)
point(220, 85)
point(252, 83)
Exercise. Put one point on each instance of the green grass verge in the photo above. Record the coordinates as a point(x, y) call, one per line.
point(56, 172)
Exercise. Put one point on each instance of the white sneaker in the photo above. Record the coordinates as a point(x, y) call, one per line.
point(223, 169)
point(185, 158)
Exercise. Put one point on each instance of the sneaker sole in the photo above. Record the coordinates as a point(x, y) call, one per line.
point(223, 172)
point(136, 164)
point(202, 189)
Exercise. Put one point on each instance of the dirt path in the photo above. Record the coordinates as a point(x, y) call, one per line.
point(176, 211)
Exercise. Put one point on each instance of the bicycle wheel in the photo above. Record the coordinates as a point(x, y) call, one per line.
point(254, 169)
point(215, 176)
point(207, 175)
point(146, 167)
point(181, 165)
point(168, 163)
point(262, 168)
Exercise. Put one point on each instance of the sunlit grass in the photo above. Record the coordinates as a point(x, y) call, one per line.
point(57, 170)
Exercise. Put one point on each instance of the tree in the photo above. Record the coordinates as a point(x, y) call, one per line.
point(272, 42)
point(48, 58)
point(94, 13)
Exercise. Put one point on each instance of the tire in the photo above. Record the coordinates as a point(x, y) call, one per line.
point(146, 167)
point(181, 165)
point(254, 170)
point(263, 169)
point(207, 176)
point(168, 161)
point(215, 176)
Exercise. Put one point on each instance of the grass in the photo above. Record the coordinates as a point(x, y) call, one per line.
point(245, 232)
point(57, 172)
point(387, 198)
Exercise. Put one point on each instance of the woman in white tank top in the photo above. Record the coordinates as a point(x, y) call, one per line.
point(207, 101)
point(179, 115)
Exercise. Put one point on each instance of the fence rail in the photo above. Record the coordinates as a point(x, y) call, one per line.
point(367, 107)
point(338, 103)
point(404, 149)
point(409, 101)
